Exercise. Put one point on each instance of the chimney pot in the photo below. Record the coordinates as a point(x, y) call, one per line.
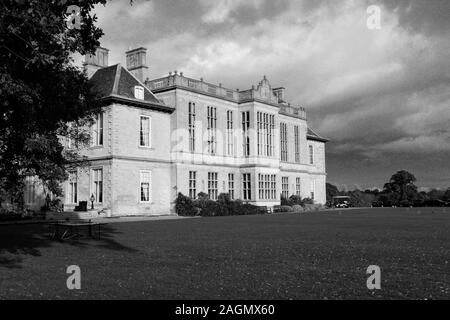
point(137, 62)
point(96, 61)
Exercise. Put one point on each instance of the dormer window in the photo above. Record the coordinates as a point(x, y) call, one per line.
point(139, 92)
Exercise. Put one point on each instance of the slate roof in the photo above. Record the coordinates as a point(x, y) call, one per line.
point(311, 135)
point(116, 84)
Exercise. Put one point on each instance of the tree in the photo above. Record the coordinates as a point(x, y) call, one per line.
point(401, 188)
point(446, 196)
point(331, 191)
point(41, 91)
point(361, 199)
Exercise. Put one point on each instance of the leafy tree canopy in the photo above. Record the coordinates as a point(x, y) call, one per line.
point(41, 91)
point(401, 187)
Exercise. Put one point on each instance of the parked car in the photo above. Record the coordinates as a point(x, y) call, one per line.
point(377, 204)
point(341, 202)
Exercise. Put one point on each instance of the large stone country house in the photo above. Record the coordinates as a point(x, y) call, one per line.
point(173, 134)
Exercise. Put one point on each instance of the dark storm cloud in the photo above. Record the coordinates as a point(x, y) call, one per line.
point(382, 96)
point(430, 17)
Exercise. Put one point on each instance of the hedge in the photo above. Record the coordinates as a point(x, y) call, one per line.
point(205, 207)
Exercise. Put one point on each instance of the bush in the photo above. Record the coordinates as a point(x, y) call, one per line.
point(295, 200)
point(205, 207)
point(277, 209)
point(286, 209)
point(226, 205)
point(284, 201)
point(185, 206)
point(297, 208)
point(308, 201)
point(247, 209)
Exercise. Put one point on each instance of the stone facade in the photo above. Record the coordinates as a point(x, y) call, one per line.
point(202, 138)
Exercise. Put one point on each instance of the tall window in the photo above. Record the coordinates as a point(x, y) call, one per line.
point(231, 185)
point(271, 136)
point(97, 130)
point(212, 185)
point(297, 143)
point(283, 141)
point(267, 186)
point(144, 131)
point(192, 184)
point(72, 187)
point(313, 189)
point(246, 133)
point(30, 190)
point(212, 126)
point(191, 126)
point(285, 187)
point(145, 180)
point(311, 154)
point(273, 186)
point(230, 136)
point(97, 184)
point(264, 127)
point(246, 186)
point(297, 186)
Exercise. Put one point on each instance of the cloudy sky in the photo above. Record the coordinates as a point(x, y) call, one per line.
point(382, 96)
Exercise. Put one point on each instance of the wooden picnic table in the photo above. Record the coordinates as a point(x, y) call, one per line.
point(70, 229)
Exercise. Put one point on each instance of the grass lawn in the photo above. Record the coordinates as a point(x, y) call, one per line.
point(320, 255)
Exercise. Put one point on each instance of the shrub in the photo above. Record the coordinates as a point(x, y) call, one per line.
point(284, 201)
point(286, 209)
point(297, 208)
point(295, 200)
point(277, 209)
point(226, 205)
point(247, 209)
point(203, 196)
point(205, 207)
point(184, 206)
point(308, 201)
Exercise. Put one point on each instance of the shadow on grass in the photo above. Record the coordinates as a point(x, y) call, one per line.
point(17, 241)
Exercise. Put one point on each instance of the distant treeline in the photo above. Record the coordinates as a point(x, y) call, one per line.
point(400, 191)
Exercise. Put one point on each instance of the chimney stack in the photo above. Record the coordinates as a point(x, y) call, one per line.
point(137, 63)
point(97, 61)
point(279, 93)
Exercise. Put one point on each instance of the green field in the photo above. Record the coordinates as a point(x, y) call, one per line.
point(321, 255)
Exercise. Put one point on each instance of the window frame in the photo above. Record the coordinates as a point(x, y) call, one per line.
point(311, 154)
point(191, 126)
point(97, 131)
point(285, 187)
point(246, 186)
point(283, 142)
point(298, 186)
point(92, 184)
point(139, 92)
point(230, 133)
point(297, 143)
point(231, 187)
point(246, 133)
point(72, 197)
point(213, 186)
point(193, 184)
point(212, 129)
point(141, 135)
point(149, 172)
